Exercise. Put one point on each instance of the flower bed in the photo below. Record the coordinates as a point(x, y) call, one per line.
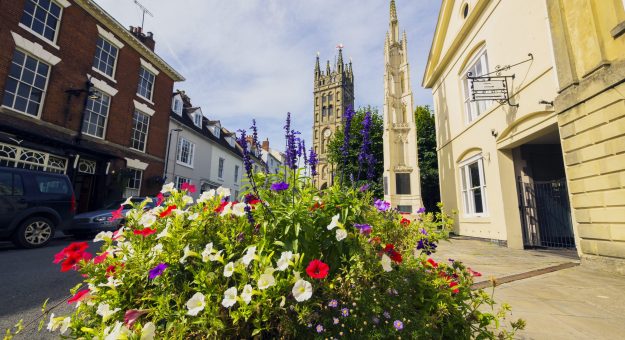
point(289, 261)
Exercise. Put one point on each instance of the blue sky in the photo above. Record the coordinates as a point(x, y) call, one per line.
point(246, 59)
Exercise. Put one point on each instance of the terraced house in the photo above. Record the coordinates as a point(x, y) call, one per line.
point(83, 95)
point(530, 115)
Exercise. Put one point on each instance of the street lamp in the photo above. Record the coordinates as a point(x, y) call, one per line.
point(167, 154)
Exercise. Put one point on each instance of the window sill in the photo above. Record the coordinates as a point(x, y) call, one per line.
point(145, 99)
point(142, 151)
point(93, 136)
point(29, 30)
point(185, 165)
point(104, 75)
point(10, 109)
point(475, 219)
point(618, 30)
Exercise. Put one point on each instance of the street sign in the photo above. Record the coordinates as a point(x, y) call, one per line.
point(486, 88)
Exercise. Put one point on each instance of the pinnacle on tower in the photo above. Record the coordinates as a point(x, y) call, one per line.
point(339, 63)
point(393, 11)
point(317, 67)
point(328, 69)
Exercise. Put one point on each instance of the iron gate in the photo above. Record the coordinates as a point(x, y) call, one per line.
point(546, 214)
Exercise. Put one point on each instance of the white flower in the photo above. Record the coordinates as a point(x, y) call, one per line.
point(239, 209)
point(128, 201)
point(148, 330)
point(246, 294)
point(157, 249)
point(164, 233)
point(167, 188)
point(249, 256)
point(187, 253)
point(216, 256)
point(208, 251)
point(206, 196)
point(65, 325)
point(111, 283)
point(266, 280)
point(229, 269)
point(282, 302)
point(193, 217)
point(195, 304)
point(227, 209)
point(223, 192)
point(230, 297)
point(386, 263)
point(283, 262)
point(147, 220)
point(104, 310)
point(302, 290)
point(118, 332)
point(186, 199)
point(54, 323)
point(335, 222)
point(103, 236)
point(341, 234)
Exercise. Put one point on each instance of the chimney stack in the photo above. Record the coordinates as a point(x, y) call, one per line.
point(266, 145)
point(146, 39)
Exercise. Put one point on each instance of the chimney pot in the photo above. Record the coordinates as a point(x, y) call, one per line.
point(266, 145)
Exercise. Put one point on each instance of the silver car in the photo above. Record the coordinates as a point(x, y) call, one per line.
point(90, 223)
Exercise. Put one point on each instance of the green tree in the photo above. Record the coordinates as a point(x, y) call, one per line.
point(428, 161)
point(350, 165)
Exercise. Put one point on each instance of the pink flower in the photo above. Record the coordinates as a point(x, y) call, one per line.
point(100, 258)
point(145, 232)
point(132, 315)
point(160, 198)
point(167, 211)
point(117, 214)
point(188, 187)
point(81, 295)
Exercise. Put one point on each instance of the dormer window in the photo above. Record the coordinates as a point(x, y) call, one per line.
point(177, 106)
point(230, 141)
point(197, 119)
point(215, 130)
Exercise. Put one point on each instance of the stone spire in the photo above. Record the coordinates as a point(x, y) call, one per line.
point(339, 62)
point(328, 69)
point(393, 11)
point(394, 24)
point(317, 67)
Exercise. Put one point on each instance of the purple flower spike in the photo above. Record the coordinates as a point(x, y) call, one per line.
point(382, 205)
point(313, 161)
point(157, 271)
point(364, 188)
point(280, 186)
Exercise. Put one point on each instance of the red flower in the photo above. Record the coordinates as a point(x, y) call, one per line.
point(375, 240)
point(117, 214)
point(254, 202)
point(433, 263)
point(132, 315)
point(145, 232)
point(221, 207)
point(474, 273)
point(453, 284)
point(75, 247)
point(395, 256)
point(188, 187)
point(71, 261)
point(167, 211)
point(317, 269)
point(110, 270)
point(317, 205)
point(60, 256)
point(100, 258)
point(159, 198)
point(405, 222)
point(81, 295)
point(389, 247)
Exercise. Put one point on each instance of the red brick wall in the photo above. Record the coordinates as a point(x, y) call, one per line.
point(76, 37)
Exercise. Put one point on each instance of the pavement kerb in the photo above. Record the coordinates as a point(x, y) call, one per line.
point(521, 276)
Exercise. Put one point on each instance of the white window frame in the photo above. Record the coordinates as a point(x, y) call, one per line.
point(93, 67)
point(220, 168)
point(179, 181)
point(181, 142)
point(151, 92)
point(62, 5)
point(473, 109)
point(466, 187)
point(197, 119)
point(44, 91)
point(133, 191)
point(147, 132)
point(100, 95)
point(176, 106)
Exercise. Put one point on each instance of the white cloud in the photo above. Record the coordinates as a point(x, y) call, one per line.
point(246, 59)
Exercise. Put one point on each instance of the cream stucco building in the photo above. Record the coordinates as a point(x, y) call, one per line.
point(548, 172)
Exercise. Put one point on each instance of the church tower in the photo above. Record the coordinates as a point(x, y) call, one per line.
point(333, 93)
point(401, 169)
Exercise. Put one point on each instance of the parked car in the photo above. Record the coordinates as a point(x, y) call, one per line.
point(90, 223)
point(33, 205)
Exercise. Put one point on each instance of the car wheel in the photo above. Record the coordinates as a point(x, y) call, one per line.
point(34, 232)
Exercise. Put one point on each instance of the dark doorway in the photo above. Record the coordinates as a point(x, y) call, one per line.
point(543, 197)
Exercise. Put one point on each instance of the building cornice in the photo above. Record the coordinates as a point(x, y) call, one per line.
point(122, 32)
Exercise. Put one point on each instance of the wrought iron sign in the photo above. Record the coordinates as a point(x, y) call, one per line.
point(493, 85)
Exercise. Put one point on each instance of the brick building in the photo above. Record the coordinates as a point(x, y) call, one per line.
point(83, 95)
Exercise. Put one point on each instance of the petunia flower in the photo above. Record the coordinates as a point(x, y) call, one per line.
point(188, 187)
point(341, 234)
point(280, 186)
point(157, 271)
point(132, 315)
point(79, 296)
point(148, 331)
point(249, 256)
point(239, 209)
point(229, 269)
point(432, 263)
point(453, 284)
point(246, 294)
point(169, 187)
point(335, 222)
point(195, 304)
point(65, 325)
point(160, 199)
point(474, 273)
point(302, 290)
point(364, 229)
point(71, 262)
point(54, 323)
point(283, 262)
point(230, 297)
point(117, 214)
point(105, 311)
point(167, 211)
point(187, 253)
point(265, 281)
point(187, 200)
point(157, 249)
point(103, 236)
point(206, 196)
point(317, 269)
point(421, 210)
point(386, 263)
point(100, 258)
point(111, 282)
point(223, 192)
point(119, 331)
point(145, 232)
point(147, 220)
point(164, 233)
point(382, 205)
